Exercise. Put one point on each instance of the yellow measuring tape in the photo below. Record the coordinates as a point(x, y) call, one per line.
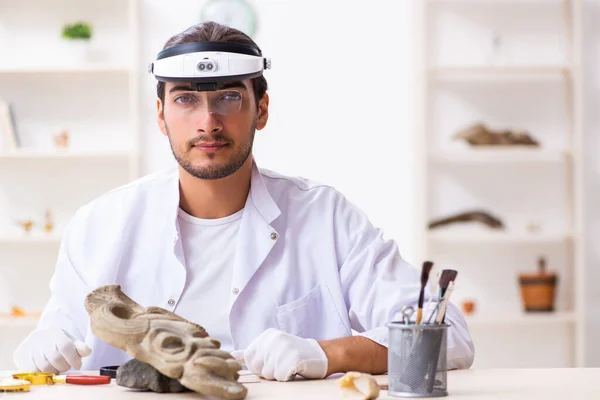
point(14, 385)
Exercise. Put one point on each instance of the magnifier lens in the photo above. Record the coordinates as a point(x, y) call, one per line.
point(225, 102)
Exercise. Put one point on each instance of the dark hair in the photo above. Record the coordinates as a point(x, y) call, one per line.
point(214, 32)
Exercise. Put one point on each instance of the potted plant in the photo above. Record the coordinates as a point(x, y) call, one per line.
point(77, 31)
point(538, 288)
point(77, 37)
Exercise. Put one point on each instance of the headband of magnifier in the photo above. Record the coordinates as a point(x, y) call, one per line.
point(207, 65)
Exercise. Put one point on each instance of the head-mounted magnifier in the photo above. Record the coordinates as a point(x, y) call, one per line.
point(207, 65)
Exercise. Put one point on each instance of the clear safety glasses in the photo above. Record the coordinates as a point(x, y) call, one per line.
point(222, 102)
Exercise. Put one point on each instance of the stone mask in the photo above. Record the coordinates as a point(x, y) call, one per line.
point(173, 345)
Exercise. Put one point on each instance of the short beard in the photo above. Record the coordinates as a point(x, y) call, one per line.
point(217, 171)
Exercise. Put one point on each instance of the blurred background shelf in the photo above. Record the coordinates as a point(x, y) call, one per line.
point(493, 70)
point(62, 155)
point(18, 322)
point(521, 319)
point(476, 155)
point(66, 69)
point(72, 134)
point(493, 74)
point(53, 239)
point(450, 237)
point(496, 2)
point(510, 65)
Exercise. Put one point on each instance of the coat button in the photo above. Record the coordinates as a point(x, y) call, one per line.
point(274, 235)
point(171, 302)
point(235, 290)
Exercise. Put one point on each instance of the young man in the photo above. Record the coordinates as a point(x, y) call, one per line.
point(280, 270)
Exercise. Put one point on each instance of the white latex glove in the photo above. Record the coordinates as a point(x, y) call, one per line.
point(279, 355)
point(50, 350)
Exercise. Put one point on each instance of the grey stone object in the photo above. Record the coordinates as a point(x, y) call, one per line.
point(135, 374)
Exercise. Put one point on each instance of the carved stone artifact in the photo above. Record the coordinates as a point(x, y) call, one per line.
point(469, 216)
point(173, 345)
point(480, 135)
point(135, 374)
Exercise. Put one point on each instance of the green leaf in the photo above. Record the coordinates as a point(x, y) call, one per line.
point(77, 30)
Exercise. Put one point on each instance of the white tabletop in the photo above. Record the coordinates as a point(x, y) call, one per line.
point(530, 384)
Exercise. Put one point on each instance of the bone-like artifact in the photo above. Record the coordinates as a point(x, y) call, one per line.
point(358, 385)
point(480, 135)
point(173, 345)
point(468, 216)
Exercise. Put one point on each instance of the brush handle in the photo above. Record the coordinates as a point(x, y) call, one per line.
point(82, 379)
point(437, 307)
point(442, 313)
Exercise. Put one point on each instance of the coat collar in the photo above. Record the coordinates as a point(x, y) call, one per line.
point(259, 198)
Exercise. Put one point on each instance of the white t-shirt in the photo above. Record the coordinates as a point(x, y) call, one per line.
point(209, 250)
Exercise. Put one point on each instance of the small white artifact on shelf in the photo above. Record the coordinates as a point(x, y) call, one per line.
point(61, 139)
point(534, 227)
point(27, 225)
point(49, 223)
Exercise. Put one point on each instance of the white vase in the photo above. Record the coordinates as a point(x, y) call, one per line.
point(76, 51)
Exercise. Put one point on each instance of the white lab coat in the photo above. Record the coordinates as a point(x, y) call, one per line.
point(308, 262)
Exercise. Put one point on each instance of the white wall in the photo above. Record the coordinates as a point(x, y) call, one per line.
point(340, 98)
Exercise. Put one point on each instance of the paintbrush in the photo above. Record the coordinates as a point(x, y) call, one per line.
point(446, 288)
point(446, 277)
point(442, 313)
point(435, 288)
point(425, 270)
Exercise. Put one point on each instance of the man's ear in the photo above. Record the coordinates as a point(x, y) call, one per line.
point(263, 112)
point(161, 116)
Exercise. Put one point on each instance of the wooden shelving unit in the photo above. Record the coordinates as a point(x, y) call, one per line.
point(461, 80)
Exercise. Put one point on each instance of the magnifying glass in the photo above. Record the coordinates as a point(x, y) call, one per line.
point(46, 378)
point(14, 385)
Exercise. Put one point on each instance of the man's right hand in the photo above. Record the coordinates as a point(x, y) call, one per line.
point(50, 350)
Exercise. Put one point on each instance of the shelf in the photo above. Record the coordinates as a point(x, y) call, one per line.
point(508, 72)
point(501, 2)
point(18, 322)
point(505, 154)
point(521, 319)
point(66, 69)
point(52, 155)
point(30, 240)
point(482, 237)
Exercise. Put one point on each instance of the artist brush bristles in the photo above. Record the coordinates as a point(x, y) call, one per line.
point(442, 313)
point(425, 270)
point(447, 279)
point(448, 275)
